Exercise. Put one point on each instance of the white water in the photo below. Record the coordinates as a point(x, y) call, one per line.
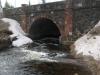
point(10, 60)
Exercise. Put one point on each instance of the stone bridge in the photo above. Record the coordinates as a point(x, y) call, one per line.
point(72, 17)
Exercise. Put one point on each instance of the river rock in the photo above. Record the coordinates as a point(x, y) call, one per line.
point(12, 34)
point(18, 36)
point(4, 35)
point(87, 48)
point(66, 67)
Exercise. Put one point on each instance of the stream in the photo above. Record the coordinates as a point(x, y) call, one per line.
point(40, 59)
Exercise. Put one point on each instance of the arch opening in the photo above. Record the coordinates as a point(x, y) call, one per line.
point(43, 28)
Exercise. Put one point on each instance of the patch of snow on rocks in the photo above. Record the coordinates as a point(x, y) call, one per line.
point(17, 32)
point(89, 44)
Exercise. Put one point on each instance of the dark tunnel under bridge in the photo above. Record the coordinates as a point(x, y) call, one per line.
point(43, 28)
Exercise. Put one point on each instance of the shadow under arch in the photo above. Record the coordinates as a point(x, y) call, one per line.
point(43, 28)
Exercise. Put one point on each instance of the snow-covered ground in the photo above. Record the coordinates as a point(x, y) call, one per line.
point(89, 44)
point(17, 32)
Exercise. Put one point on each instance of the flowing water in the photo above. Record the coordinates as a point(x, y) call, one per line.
point(39, 59)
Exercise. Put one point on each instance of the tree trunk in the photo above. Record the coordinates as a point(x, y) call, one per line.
point(43, 1)
point(1, 10)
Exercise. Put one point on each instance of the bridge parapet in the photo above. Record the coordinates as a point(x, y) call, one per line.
point(74, 18)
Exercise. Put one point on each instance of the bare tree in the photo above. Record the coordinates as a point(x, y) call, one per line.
point(1, 10)
point(43, 1)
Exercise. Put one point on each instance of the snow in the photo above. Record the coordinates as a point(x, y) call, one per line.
point(17, 32)
point(14, 27)
point(21, 40)
point(89, 44)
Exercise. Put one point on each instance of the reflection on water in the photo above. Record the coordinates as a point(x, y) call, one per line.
point(40, 59)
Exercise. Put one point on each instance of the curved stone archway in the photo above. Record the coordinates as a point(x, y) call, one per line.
point(43, 28)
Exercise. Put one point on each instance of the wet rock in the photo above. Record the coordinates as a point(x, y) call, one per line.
point(4, 35)
point(64, 67)
point(18, 36)
point(5, 39)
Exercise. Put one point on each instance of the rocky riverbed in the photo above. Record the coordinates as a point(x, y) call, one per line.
point(41, 59)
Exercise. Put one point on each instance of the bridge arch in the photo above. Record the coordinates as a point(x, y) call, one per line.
point(43, 27)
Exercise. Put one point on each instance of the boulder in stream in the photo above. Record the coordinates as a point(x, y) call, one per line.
point(4, 35)
point(87, 48)
point(11, 33)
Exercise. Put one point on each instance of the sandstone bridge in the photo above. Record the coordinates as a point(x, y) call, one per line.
point(72, 18)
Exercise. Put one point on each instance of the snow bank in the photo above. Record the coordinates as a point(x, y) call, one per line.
point(21, 40)
point(89, 44)
point(17, 32)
